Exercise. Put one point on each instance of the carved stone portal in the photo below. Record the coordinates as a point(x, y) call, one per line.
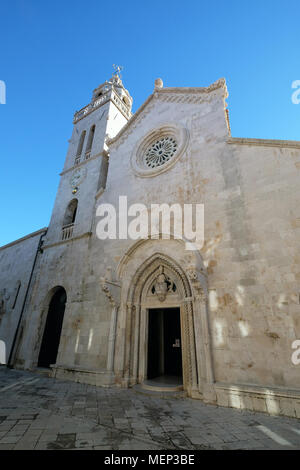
point(160, 279)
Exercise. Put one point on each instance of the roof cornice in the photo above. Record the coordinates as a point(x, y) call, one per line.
point(264, 142)
point(26, 237)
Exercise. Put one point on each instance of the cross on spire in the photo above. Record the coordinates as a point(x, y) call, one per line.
point(117, 70)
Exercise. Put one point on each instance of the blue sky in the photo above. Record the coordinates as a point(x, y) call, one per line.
point(54, 53)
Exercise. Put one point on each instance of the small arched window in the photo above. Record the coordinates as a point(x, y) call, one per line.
point(103, 173)
point(90, 142)
point(80, 147)
point(70, 214)
point(69, 219)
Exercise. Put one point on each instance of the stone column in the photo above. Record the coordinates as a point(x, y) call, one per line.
point(208, 390)
point(143, 344)
point(127, 343)
point(136, 344)
point(203, 340)
point(112, 292)
point(112, 339)
point(193, 385)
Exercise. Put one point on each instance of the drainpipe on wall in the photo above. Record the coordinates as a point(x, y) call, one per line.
point(13, 346)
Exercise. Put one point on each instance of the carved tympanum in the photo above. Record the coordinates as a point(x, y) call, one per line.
point(162, 286)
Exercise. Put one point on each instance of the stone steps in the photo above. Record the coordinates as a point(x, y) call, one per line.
point(43, 371)
point(156, 393)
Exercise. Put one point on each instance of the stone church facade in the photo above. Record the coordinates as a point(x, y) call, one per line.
point(121, 312)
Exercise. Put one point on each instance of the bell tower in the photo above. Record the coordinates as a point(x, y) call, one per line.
point(63, 271)
point(86, 164)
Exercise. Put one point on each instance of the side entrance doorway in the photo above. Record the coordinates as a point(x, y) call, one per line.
point(52, 331)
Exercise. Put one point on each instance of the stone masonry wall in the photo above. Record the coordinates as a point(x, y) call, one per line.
point(16, 260)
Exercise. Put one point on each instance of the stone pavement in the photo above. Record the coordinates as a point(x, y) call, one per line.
point(37, 412)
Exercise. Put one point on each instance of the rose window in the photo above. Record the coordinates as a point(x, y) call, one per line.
point(160, 152)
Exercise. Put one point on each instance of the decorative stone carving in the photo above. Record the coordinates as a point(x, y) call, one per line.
point(158, 84)
point(195, 272)
point(112, 290)
point(159, 149)
point(160, 152)
point(201, 295)
point(161, 286)
point(191, 95)
point(193, 275)
point(164, 271)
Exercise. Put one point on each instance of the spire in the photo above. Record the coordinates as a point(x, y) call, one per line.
point(113, 90)
point(114, 83)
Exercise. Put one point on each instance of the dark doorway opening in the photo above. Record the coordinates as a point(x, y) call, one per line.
point(164, 343)
point(51, 336)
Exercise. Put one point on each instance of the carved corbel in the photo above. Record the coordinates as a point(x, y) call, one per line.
point(201, 295)
point(111, 289)
point(193, 276)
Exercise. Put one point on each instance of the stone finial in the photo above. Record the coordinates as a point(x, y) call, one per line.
point(158, 84)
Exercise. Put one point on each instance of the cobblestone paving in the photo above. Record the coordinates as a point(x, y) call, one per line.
point(37, 412)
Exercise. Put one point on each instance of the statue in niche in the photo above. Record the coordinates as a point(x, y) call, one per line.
point(161, 285)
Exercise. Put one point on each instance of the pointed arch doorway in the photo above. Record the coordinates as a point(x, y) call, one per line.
point(52, 332)
point(183, 286)
point(158, 321)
